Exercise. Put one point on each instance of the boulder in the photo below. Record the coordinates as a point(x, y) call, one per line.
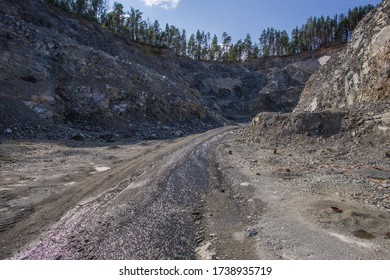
point(324, 123)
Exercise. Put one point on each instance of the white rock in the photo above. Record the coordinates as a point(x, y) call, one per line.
point(323, 60)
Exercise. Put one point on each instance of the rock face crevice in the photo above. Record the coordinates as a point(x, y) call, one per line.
point(76, 77)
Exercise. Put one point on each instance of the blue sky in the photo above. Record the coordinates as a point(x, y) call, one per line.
point(238, 17)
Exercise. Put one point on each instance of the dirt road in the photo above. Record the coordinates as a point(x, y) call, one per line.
point(206, 196)
point(146, 207)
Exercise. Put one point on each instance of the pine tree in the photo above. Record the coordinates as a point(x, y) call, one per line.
point(232, 53)
point(183, 43)
point(199, 41)
point(226, 41)
point(115, 19)
point(255, 52)
point(206, 46)
point(248, 48)
point(133, 23)
point(314, 34)
point(215, 49)
point(191, 50)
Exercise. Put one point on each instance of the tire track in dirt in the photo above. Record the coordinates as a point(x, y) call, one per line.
point(142, 209)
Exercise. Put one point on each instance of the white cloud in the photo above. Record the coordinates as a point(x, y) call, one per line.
point(166, 4)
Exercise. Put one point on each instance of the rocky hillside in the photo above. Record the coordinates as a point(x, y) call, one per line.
point(360, 74)
point(62, 76)
point(349, 96)
point(74, 74)
point(270, 84)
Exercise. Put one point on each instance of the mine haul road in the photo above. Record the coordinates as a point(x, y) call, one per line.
point(206, 196)
point(147, 208)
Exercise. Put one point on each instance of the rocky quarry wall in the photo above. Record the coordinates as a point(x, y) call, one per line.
point(358, 75)
point(62, 76)
point(350, 93)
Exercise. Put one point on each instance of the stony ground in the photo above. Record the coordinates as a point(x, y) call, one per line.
point(236, 197)
point(41, 179)
point(309, 198)
point(88, 200)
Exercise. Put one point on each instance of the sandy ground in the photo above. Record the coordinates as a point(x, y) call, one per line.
point(207, 196)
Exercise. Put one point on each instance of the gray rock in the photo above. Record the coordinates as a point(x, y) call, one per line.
point(67, 86)
point(129, 92)
point(252, 233)
point(317, 123)
point(386, 118)
point(78, 137)
point(358, 75)
point(178, 133)
point(7, 131)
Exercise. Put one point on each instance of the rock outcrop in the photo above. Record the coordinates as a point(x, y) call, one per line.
point(269, 84)
point(349, 95)
point(360, 74)
point(77, 76)
point(71, 76)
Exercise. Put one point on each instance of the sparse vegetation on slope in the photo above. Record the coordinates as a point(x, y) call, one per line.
point(314, 34)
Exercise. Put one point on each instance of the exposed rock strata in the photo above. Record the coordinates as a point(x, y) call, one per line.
point(349, 94)
point(76, 77)
point(358, 75)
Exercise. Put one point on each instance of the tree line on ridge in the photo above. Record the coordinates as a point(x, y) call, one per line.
point(316, 33)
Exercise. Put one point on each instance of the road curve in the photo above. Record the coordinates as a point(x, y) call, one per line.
point(148, 208)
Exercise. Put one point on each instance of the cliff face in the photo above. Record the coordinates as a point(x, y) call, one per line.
point(269, 84)
point(77, 75)
point(348, 96)
point(62, 75)
point(360, 74)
